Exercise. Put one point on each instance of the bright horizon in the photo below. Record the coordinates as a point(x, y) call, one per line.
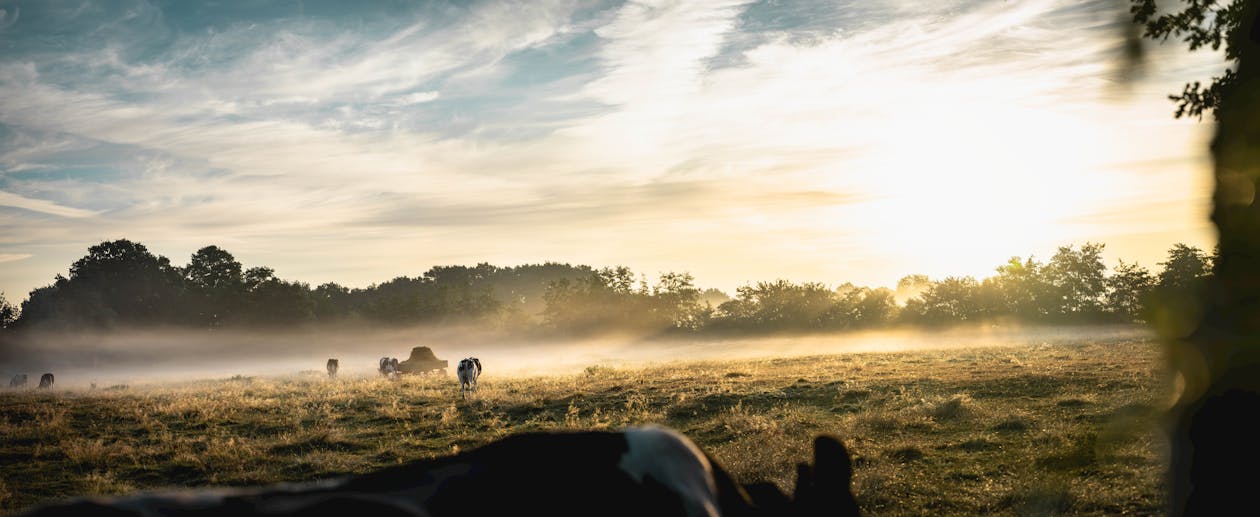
point(739, 141)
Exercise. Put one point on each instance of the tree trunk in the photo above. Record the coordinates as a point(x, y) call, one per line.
point(1214, 338)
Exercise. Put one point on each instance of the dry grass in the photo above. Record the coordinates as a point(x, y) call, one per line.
point(1045, 429)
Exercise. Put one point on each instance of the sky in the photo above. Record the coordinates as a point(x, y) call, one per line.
point(740, 141)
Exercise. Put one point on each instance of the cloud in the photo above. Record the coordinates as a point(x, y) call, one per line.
point(821, 137)
point(13, 257)
point(416, 98)
point(39, 205)
point(8, 19)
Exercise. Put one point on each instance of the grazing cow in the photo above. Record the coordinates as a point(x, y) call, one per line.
point(468, 371)
point(18, 381)
point(389, 367)
point(333, 364)
point(46, 380)
point(638, 471)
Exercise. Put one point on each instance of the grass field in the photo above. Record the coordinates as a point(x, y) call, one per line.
point(1051, 428)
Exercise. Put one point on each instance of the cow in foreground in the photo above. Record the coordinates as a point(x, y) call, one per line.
point(639, 471)
point(46, 381)
point(333, 365)
point(18, 381)
point(468, 371)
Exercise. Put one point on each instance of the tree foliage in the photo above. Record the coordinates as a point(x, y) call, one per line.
point(8, 313)
point(1199, 23)
point(121, 283)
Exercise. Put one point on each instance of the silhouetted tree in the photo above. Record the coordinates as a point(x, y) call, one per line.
point(948, 301)
point(1184, 268)
point(1025, 292)
point(676, 300)
point(990, 300)
point(332, 302)
point(396, 301)
point(116, 283)
point(256, 276)
point(781, 305)
point(863, 307)
point(520, 289)
point(1077, 279)
point(1200, 23)
point(8, 313)
point(215, 285)
point(459, 293)
point(274, 302)
point(609, 300)
point(1128, 291)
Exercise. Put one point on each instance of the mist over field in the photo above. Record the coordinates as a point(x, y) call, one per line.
point(158, 356)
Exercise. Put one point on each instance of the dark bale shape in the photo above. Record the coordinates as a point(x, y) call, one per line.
point(421, 360)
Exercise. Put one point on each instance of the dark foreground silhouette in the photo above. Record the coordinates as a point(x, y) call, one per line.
point(638, 471)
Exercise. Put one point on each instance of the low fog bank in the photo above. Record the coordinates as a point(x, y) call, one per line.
point(146, 357)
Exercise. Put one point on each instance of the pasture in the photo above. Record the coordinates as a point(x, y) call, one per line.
point(1067, 427)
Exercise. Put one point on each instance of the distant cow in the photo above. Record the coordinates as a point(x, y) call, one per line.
point(389, 367)
point(468, 371)
point(18, 381)
point(46, 380)
point(638, 471)
point(333, 364)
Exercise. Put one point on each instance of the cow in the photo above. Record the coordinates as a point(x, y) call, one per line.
point(643, 470)
point(18, 381)
point(389, 367)
point(468, 371)
point(46, 380)
point(333, 364)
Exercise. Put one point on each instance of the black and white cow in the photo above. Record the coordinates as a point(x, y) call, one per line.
point(640, 471)
point(46, 380)
point(333, 365)
point(18, 381)
point(468, 371)
point(389, 367)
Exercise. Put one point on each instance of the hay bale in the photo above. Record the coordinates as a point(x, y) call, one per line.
point(422, 353)
point(421, 360)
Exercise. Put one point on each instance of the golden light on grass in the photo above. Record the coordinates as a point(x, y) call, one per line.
point(1067, 424)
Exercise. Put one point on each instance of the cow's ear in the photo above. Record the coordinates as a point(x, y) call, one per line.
point(832, 464)
point(824, 488)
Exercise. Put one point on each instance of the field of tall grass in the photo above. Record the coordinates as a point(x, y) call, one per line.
point(1070, 428)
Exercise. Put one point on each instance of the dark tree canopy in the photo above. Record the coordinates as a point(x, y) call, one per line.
point(1199, 23)
point(1185, 266)
point(121, 283)
point(1129, 289)
point(8, 313)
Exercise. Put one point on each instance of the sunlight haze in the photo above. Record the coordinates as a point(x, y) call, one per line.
point(739, 141)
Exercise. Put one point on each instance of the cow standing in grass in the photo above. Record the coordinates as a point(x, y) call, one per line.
point(468, 371)
point(389, 367)
point(46, 381)
point(18, 381)
point(333, 364)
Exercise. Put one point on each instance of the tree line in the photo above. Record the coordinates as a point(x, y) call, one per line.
point(121, 284)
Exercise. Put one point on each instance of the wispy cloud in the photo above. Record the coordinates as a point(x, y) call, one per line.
point(37, 205)
point(819, 140)
point(13, 257)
